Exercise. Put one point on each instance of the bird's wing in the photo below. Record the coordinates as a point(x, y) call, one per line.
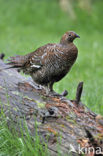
point(34, 61)
point(42, 56)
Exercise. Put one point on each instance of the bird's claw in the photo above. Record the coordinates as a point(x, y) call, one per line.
point(53, 93)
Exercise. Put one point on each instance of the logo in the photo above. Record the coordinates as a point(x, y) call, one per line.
point(72, 149)
point(86, 150)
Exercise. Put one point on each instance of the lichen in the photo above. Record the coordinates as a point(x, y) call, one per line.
point(68, 118)
point(40, 105)
point(15, 93)
point(1, 87)
point(28, 98)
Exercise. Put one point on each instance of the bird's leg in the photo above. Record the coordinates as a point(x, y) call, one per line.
point(50, 85)
point(47, 88)
point(52, 92)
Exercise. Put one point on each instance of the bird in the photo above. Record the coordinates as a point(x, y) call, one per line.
point(49, 63)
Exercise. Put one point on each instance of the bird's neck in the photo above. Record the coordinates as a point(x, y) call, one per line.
point(66, 43)
point(71, 48)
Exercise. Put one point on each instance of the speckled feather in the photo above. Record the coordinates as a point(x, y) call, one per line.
point(49, 63)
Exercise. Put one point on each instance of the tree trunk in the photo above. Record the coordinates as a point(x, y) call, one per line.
point(68, 123)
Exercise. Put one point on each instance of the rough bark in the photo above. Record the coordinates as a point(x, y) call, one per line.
point(68, 123)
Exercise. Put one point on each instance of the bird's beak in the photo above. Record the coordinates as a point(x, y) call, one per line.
point(77, 36)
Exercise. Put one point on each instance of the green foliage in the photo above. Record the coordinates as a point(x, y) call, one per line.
point(19, 144)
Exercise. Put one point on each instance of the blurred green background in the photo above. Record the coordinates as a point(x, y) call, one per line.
point(27, 24)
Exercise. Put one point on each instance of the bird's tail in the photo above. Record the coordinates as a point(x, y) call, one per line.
point(15, 62)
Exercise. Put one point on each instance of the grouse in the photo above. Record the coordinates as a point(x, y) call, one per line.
point(49, 63)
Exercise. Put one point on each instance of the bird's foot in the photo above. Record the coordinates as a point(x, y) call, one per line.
point(38, 87)
point(53, 93)
point(34, 84)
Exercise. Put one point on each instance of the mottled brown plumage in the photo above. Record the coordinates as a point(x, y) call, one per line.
point(49, 63)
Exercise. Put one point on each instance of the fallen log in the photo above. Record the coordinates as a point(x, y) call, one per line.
point(68, 123)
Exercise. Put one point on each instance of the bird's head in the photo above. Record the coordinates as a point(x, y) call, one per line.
point(68, 37)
